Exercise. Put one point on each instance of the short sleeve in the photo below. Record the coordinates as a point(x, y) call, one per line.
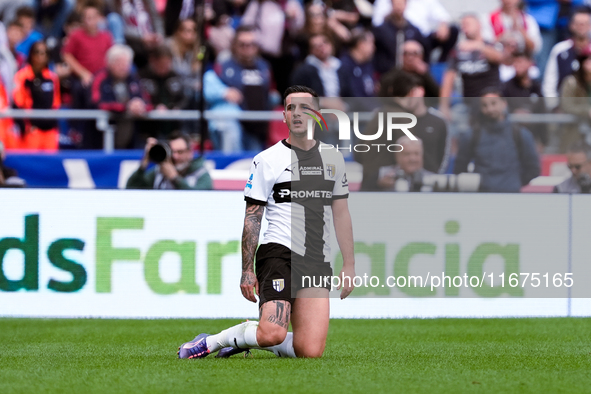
point(260, 182)
point(341, 184)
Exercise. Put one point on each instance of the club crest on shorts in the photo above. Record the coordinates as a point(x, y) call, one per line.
point(278, 284)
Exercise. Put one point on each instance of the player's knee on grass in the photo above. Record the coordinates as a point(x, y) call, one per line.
point(309, 350)
point(270, 334)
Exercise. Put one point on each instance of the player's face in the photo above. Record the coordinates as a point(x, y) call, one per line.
point(295, 118)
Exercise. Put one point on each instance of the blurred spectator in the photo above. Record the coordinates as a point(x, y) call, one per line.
point(143, 28)
point(504, 154)
point(52, 16)
point(413, 63)
point(356, 71)
point(8, 176)
point(25, 17)
point(117, 89)
point(408, 174)
point(475, 60)
point(176, 11)
point(36, 87)
point(220, 34)
point(405, 94)
point(575, 92)
point(8, 138)
point(15, 34)
point(179, 171)
point(545, 12)
point(522, 84)
point(563, 56)
point(276, 23)
point(524, 96)
point(241, 83)
point(185, 50)
point(317, 22)
point(320, 71)
point(8, 65)
point(509, 23)
point(8, 9)
point(390, 37)
point(228, 12)
point(430, 17)
point(77, 54)
point(165, 89)
point(578, 158)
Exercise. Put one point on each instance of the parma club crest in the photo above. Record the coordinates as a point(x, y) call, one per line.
point(278, 284)
point(331, 171)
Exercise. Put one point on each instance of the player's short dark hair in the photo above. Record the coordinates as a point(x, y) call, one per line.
point(580, 147)
point(175, 135)
point(26, 12)
point(299, 89)
point(398, 83)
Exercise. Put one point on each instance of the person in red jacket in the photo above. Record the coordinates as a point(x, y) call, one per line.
point(7, 136)
point(36, 87)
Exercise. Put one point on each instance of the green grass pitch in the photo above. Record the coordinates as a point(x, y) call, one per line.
point(409, 355)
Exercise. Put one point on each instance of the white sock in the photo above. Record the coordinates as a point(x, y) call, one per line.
point(285, 348)
point(243, 336)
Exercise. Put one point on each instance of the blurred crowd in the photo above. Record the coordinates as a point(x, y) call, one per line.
point(131, 57)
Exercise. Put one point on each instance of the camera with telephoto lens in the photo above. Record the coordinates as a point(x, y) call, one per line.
point(404, 182)
point(159, 152)
point(584, 181)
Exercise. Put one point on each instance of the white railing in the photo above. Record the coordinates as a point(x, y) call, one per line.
point(103, 117)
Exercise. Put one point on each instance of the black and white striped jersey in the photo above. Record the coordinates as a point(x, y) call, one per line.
point(297, 188)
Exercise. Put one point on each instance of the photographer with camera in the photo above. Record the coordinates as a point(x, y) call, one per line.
point(408, 174)
point(579, 162)
point(175, 166)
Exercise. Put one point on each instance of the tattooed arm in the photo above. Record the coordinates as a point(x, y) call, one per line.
point(250, 239)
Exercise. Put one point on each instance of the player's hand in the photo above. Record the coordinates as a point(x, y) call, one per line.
point(347, 275)
point(249, 285)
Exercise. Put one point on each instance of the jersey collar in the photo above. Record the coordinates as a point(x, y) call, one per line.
point(287, 144)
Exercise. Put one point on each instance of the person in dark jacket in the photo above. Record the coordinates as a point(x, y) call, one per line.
point(356, 72)
point(180, 171)
point(165, 90)
point(524, 95)
point(118, 90)
point(391, 35)
point(504, 154)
